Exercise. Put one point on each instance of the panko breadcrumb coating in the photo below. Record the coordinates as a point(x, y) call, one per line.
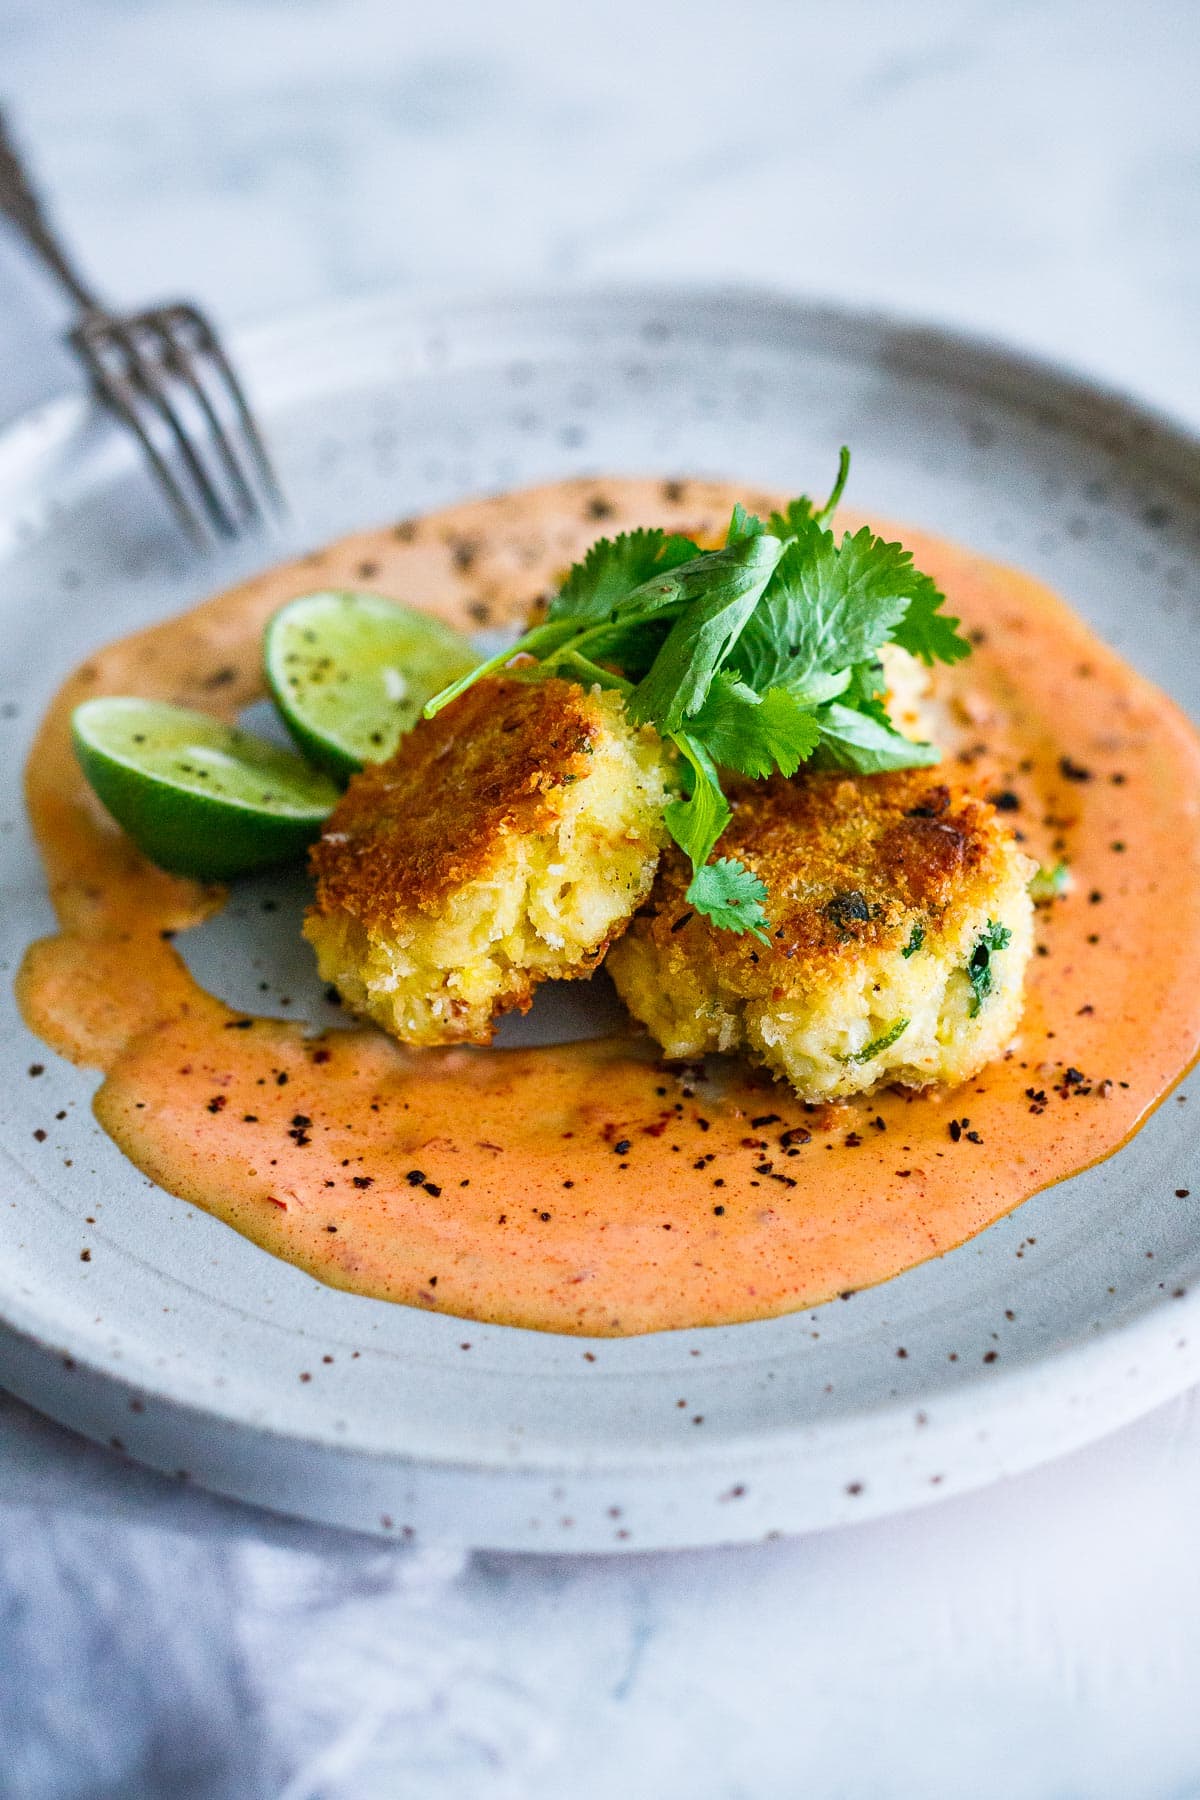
point(507, 840)
point(880, 891)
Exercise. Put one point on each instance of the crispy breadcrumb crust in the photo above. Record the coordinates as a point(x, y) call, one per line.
point(857, 869)
point(507, 840)
point(494, 762)
point(904, 843)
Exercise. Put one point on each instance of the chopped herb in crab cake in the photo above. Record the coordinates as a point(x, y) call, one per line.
point(901, 928)
point(506, 841)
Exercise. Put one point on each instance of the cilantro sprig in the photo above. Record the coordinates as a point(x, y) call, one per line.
point(980, 972)
point(756, 657)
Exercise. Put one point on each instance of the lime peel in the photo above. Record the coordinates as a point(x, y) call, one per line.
point(197, 796)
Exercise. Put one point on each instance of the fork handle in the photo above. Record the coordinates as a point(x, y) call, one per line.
point(19, 204)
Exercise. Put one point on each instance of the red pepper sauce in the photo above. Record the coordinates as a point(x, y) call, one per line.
point(584, 1188)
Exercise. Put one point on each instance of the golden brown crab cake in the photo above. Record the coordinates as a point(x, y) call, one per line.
point(507, 840)
point(900, 928)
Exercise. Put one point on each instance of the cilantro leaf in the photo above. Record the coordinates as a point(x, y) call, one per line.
point(633, 644)
point(833, 605)
point(742, 525)
point(865, 687)
point(859, 743)
point(925, 631)
point(829, 606)
point(634, 628)
point(878, 1045)
point(979, 969)
point(613, 568)
point(729, 584)
point(794, 518)
point(725, 891)
point(697, 822)
point(755, 735)
point(730, 896)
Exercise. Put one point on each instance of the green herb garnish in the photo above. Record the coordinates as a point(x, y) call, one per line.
point(878, 1045)
point(729, 894)
point(757, 657)
point(1050, 883)
point(916, 939)
point(979, 969)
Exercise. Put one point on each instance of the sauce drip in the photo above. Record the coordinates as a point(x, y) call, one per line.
point(585, 1188)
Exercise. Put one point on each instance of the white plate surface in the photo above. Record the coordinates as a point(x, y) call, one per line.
point(186, 1345)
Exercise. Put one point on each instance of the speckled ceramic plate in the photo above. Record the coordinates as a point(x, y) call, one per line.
point(196, 1352)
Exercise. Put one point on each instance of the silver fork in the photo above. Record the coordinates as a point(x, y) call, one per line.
point(164, 373)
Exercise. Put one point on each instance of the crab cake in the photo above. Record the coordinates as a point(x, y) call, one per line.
point(508, 839)
point(900, 927)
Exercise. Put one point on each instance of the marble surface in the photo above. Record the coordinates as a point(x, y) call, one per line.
point(1028, 170)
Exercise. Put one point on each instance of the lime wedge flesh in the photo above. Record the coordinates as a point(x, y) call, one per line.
point(350, 673)
point(196, 796)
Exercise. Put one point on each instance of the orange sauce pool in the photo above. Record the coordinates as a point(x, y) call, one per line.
point(584, 1188)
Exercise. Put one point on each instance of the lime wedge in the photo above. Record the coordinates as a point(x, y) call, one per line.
point(198, 797)
point(350, 673)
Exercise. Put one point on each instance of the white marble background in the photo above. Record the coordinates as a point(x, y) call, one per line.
point(1029, 168)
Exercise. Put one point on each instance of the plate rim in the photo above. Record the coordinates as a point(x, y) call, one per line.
point(922, 338)
point(983, 362)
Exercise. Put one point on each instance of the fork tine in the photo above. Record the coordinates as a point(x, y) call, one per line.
point(147, 377)
point(106, 337)
point(122, 397)
point(149, 365)
point(181, 363)
point(210, 346)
